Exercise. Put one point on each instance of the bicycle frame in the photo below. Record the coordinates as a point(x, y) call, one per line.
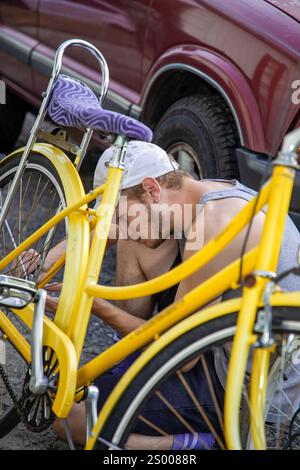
point(66, 334)
point(201, 317)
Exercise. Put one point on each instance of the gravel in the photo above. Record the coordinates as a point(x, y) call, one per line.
point(99, 335)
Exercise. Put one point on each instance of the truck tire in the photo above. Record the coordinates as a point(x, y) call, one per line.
point(199, 131)
point(12, 116)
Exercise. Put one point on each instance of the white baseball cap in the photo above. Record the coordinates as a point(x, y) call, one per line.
point(142, 160)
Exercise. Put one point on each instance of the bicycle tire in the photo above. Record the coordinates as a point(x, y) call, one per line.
point(118, 424)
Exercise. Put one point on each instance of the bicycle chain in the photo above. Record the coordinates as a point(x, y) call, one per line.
point(12, 394)
point(18, 404)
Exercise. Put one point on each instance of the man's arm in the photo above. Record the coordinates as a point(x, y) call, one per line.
point(60, 248)
point(121, 321)
point(30, 258)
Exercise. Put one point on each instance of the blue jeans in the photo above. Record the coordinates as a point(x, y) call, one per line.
point(172, 390)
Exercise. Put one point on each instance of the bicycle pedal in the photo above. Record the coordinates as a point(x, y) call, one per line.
point(16, 293)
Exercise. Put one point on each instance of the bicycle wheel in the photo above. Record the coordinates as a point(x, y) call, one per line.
point(168, 405)
point(39, 196)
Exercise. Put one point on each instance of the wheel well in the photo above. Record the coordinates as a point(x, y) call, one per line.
point(169, 88)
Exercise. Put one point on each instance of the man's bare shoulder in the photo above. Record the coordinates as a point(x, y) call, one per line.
point(219, 212)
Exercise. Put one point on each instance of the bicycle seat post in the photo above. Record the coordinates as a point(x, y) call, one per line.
point(120, 147)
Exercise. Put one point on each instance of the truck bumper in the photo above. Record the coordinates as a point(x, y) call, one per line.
point(253, 165)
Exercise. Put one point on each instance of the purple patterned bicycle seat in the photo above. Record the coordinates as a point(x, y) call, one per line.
point(74, 104)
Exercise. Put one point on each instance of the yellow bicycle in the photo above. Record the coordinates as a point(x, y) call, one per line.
point(252, 341)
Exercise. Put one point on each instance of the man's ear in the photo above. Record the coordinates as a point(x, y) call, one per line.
point(152, 188)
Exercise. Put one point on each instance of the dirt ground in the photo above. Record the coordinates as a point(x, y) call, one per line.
point(99, 335)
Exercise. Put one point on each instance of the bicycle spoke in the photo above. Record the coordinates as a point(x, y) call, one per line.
point(20, 211)
point(26, 266)
point(200, 409)
point(21, 199)
point(212, 391)
point(282, 365)
point(160, 431)
point(175, 412)
point(34, 204)
point(20, 227)
point(14, 244)
point(188, 388)
point(48, 242)
point(153, 426)
point(26, 188)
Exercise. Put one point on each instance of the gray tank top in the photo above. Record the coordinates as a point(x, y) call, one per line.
point(290, 242)
point(289, 399)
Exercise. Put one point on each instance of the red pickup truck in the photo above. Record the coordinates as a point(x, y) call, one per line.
point(217, 80)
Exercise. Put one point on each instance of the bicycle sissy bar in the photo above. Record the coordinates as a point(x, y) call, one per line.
point(57, 65)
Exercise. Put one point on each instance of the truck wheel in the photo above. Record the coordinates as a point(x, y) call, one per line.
point(200, 133)
point(12, 116)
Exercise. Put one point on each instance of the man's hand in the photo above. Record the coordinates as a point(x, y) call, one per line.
point(55, 287)
point(121, 321)
point(51, 303)
point(27, 262)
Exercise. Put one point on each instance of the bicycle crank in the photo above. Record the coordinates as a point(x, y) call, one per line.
point(37, 409)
